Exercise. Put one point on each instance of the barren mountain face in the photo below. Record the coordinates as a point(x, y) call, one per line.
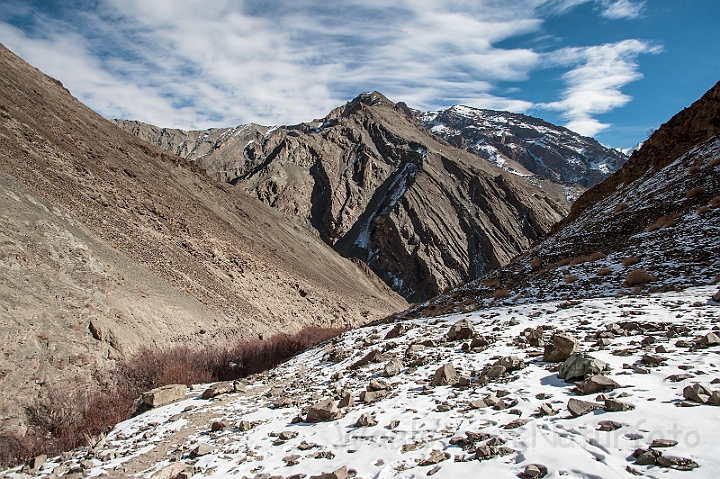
point(517, 142)
point(109, 243)
point(375, 185)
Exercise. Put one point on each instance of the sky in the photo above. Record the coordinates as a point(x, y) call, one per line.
point(611, 69)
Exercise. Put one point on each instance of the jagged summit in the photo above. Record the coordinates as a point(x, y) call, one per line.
point(519, 142)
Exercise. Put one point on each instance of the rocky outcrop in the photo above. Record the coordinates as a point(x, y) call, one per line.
point(525, 144)
point(375, 185)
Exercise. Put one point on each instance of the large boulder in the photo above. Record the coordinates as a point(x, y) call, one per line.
point(697, 393)
point(325, 410)
point(217, 389)
point(164, 395)
point(561, 346)
point(580, 366)
point(463, 329)
point(596, 384)
point(578, 407)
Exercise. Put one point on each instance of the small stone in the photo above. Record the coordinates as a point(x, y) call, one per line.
point(478, 404)
point(36, 462)
point(287, 435)
point(462, 329)
point(392, 368)
point(436, 456)
point(201, 449)
point(218, 426)
point(647, 458)
point(578, 407)
point(676, 378)
point(397, 331)
point(679, 463)
point(663, 443)
point(609, 426)
point(348, 400)
point(291, 460)
point(164, 395)
point(516, 423)
point(378, 385)
point(561, 346)
point(341, 473)
point(535, 471)
point(495, 371)
point(613, 405)
point(325, 410)
point(653, 360)
point(370, 397)
point(661, 349)
point(511, 363)
point(433, 470)
point(595, 384)
point(393, 424)
point(365, 420)
point(546, 410)
point(217, 389)
point(245, 425)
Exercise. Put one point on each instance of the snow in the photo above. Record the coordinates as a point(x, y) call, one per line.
point(569, 447)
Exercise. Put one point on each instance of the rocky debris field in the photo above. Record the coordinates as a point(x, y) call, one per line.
point(598, 388)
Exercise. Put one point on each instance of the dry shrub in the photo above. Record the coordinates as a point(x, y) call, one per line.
point(563, 262)
point(693, 169)
point(620, 207)
point(501, 294)
point(447, 289)
point(535, 264)
point(596, 256)
point(714, 162)
point(62, 419)
point(638, 277)
point(695, 192)
point(715, 202)
point(630, 261)
point(571, 278)
point(702, 210)
point(492, 283)
point(579, 260)
point(603, 272)
point(664, 222)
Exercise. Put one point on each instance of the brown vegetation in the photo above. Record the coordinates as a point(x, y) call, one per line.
point(714, 162)
point(603, 272)
point(715, 202)
point(64, 418)
point(664, 222)
point(695, 192)
point(571, 278)
point(535, 264)
point(501, 294)
point(630, 261)
point(620, 207)
point(596, 256)
point(702, 210)
point(638, 277)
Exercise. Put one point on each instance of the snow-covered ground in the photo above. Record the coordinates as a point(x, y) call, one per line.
point(415, 419)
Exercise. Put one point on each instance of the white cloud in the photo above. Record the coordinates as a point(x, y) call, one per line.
point(595, 80)
point(194, 64)
point(618, 9)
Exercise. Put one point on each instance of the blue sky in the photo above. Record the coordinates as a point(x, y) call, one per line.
point(612, 69)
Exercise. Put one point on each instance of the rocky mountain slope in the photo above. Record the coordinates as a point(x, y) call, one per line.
point(109, 243)
point(375, 185)
point(520, 143)
point(652, 226)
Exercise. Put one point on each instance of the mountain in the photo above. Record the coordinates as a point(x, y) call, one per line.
point(371, 182)
point(523, 144)
point(652, 226)
point(110, 244)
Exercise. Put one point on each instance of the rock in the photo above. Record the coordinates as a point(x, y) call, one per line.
point(714, 399)
point(511, 363)
point(676, 378)
point(325, 410)
point(495, 371)
point(535, 338)
point(561, 346)
point(578, 407)
point(285, 401)
point(36, 462)
point(164, 395)
point(444, 375)
point(217, 389)
point(245, 425)
point(663, 443)
point(653, 360)
point(341, 473)
point(697, 393)
point(716, 296)
point(287, 435)
point(710, 339)
point(373, 356)
point(613, 405)
point(580, 366)
point(478, 404)
point(485, 452)
point(218, 426)
point(546, 410)
point(479, 342)
point(436, 456)
point(397, 331)
point(462, 329)
point(348, 400)
point(392, 368)
point(647, 458)
point(516, 423)
point(201, 449)
point(608, 425)
point(595, 384)
point(378, 385)
point(463, 382)
point(365, 420)
point(239, 387)
point(373, 396)
point(679, 463)
point(291, 460)
point(176, 470)
point(535, 471)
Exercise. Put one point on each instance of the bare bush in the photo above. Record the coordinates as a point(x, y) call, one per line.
point(638, 277)
point(563, 262)
point(714, 162)
point(702, 210)
point(579, 260)
point(695, 192)
point(693, 169)
point(603, 272)
point(501, 294)
point(630, 261)
point(715, 202)
point(535, 264)
point(620, 207)
point(664, 222)
point(596, 256)
point(571, 278)
point(492, 283)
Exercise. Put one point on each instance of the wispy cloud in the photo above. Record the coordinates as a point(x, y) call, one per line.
point(595, 80)
point(617, 9)
point(194, 64)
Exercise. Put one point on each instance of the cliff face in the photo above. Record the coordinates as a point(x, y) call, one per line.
point(100, 228)
point(375, 185)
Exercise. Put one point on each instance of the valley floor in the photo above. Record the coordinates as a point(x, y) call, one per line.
point(418, 427)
